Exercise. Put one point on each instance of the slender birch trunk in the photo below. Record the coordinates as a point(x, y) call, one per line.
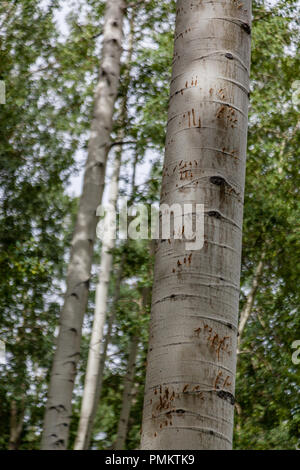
point(16, 424)
point(107, 340)
point(129, 377)
point(59, 406)
point(189, 393)
point(244, 317)
point(127, 395)
point(246, 311)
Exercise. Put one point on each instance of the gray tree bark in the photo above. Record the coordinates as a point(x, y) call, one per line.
point(59, 406)
point(190, 383)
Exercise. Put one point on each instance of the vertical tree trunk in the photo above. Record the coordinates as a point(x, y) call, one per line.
point(189, 394)
point(127, 395)
point(16, 424)
point(246, 311)
point(59, 408)
point(130, 373)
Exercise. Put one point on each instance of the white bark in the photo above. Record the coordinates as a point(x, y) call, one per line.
point(127, 395)
point(189, 393)
point(59, 407)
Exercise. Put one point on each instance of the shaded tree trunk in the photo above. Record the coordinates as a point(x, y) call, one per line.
point(59, 406)
point(107, 340)
point(246, 311)
point(128, 392)
point(127, 395)
point(16, 424)
point(190, 383)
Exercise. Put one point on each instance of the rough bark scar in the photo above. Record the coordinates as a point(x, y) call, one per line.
point(226, 396)
point(215, 214)
point(246, 28)
point(218, 180)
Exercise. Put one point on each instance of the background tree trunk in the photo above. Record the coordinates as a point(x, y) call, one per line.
point(189, 394)
point(246, 311)
point(129, 377)
point(127, 395)
point(59, 406)
point(16, 424)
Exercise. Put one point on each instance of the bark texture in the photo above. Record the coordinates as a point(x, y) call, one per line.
point(59, 408)
point(189, 393)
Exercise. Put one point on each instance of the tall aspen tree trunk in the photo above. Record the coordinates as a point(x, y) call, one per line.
point(189, 395)
point(59, 406)
point(94, 367)
point(127, 395)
